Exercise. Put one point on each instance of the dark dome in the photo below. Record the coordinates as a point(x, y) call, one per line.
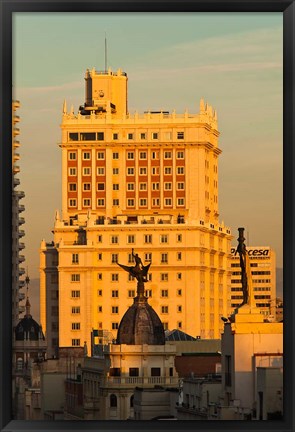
point(141, 325)
point(28, 328)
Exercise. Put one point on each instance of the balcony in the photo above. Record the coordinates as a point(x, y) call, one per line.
point(21, 284)
point(20, 194)
point(16, 181)
point(21, 296)
point(21, 233)
point(16, 169)
point(21, 271)
point(21, 208)
point(21, 246)
point(134, 381)
point(21, 221)
point(21, 258)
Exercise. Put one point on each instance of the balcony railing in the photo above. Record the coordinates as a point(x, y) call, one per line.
point(142, 380)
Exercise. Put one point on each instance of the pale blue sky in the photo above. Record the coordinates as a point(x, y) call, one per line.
point(232, 60)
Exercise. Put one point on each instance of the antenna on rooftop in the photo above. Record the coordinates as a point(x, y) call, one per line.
point(105, 52)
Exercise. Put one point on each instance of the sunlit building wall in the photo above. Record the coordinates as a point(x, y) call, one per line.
point(144, 181)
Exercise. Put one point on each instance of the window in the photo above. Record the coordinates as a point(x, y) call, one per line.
point(72, 155)
point(143, 202)
point(100, 155)
point(148, 238)
point(134, 372)
point(75, 342)
point(180, 186)
point(130, 155)
point(130, 171)
point(179, 324)
point(142, 171)
point(180, 135)
point(100, 171)
point(164, 277)
point(99, 293)
point(130, 202)
point(99, 238)
point(155, 371)
point(130, 278)
point(164, 238)
point(179, 292)
point(114, 239)
point(115, 309)
point(86, 171)
point(54, 310)
point(75, 309)
point(179, 308)
point(168, 202)
point(165, 325)
point(155, 155)
point(164, 309)
point(115, 155)
point(155, 135)
point(114, 258)
point(75, 258)
point(150, 277)
point(72, 172)
point(180, 201)
point(76, 326)
point(100, 186)
point(72, 187)
point(142, 186)
point(113, 401)
point(115, 325)
point(99, 276)
point(167, 186)
point(131, 293)
point(142, 136)
point(86, 155)
point(164, 258)
point(155, 186)
point(115, 277)
point(115, 293)
point(100, 136)
point(115, 171)
point(179, 238)
point(167, 135)
point(164, 293)
point(99, 308)
point(54, 326)
point(180, 170)
point(179, 276)
point(100, 202)
point(148, 256)
point(131, 239)
point(116, 186)
point(86, 202)
point(167, 170)
point(148, 293)
point(167, 155)
point(115, 136)
point(130, 136)
point(155, 170)
point(86, 186)
point(130, 258)
point(75, 277)
point(142, 155)
point(99, 256)
point(156, 202)
point(73, 136)
point(179, 256)
point(116, 202)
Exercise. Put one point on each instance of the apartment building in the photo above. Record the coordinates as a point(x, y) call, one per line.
point(144, 181)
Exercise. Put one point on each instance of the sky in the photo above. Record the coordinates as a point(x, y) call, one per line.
point(233, 60)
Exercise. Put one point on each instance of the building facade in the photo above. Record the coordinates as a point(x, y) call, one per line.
point(263, 273)
point(17, 220)
point(144, 181)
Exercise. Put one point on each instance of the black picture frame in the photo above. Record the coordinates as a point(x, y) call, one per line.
point(7, 8)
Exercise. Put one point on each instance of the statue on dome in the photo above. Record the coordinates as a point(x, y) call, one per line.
point(241, 249)
point(139, 271)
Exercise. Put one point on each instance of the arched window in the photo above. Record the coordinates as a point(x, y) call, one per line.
point(113, 401)
point(131, 401)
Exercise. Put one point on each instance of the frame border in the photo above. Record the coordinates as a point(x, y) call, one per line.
point(7, 8)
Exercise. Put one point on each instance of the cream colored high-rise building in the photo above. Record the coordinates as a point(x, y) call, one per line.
point(17, 220)
point(144, 181)
point(263, 273)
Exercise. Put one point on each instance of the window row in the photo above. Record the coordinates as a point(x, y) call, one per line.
point(99, 136)
point(142, 202)
point(132, 293)
point(100, 155)
point(72, 187)
point(101, 171)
